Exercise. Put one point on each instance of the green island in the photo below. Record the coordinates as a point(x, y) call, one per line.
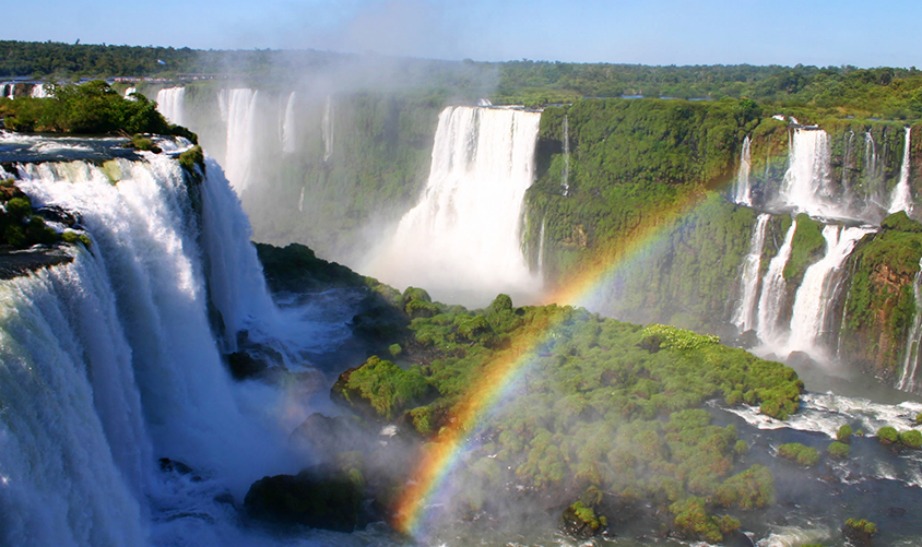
point(611, 414)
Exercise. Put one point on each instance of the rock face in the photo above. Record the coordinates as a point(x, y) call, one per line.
point(318, 498)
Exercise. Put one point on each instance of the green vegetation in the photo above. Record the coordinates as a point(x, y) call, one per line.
point(888, 435)
point(807, 247)
point(880, 307)
point(844, 433)
point(89, 108)
point(606, 406)
point(859, 531)
point(19, 226)
point(838, 450)
point(806, 456)
point(580, 520)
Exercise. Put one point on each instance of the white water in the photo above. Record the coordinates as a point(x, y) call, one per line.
point(565, 177)
point(819, 289)
point(870, 155)
point(129, 91)
point(289, 129)
point(109, 363)
point(907, 381)
point(170, 103)
point(901, 198)
point(771, 300)
point(327, 129)
point(745, 316)
point(463, 237)
point(239, 110)
point(806, 184)
point(74, 451)
point(742, 190)
point(39, 91)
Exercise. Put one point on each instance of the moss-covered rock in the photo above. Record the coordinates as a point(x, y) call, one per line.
point(319, 498)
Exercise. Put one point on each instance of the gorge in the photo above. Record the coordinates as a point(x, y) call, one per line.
point(799, 242)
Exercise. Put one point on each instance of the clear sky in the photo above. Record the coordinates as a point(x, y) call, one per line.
point(864, 33)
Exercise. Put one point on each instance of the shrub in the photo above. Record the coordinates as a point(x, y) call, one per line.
point(801, 454)
point(844, 433)
point(911, 438)
point(838, 450)
point(888, 435)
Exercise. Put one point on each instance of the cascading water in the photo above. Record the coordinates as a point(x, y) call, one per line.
point(463, 237)
point(39, 91)
point(326, 129)
point(74, 452)
point(907, 381)
point(289, 129)
point(239, 108)
point(745, 316)
point(819, 289)
point(565, 176)
point(771, 299)
point(109, 362)
point(129, 91)
point(742, 190)
point(806, 184)
point(901, 198)
point(170, 103)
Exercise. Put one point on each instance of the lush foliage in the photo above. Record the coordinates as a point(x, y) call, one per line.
point(880, 307)
point(806, 456)
point(596, 405)
point(806, 247)
point(89, 108)
point(19, 226)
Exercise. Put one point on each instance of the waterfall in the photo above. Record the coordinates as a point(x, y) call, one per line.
point(870, 155)
point(901, 198)
point(806, 183)
point(73, 447)
point(326, 129)
point(907, 381)
point(110, 362)
point(771, 300)
point(239, 109)
point(745, 315)
point(565, 176)
point(742, 191)
point(464, 234)
point(170, 103)
point(39, 91)
point(819, 289)
point(289, 130)
point(129, 91)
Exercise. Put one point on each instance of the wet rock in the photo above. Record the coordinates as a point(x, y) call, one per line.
point(319, 498)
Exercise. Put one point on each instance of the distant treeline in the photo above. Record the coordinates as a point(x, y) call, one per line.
point(894, 93)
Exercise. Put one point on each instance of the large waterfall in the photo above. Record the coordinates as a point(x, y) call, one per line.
point(806, 185)
point(238, 109)
point(110, 362)
point(170, 103)
point(462, 239)
point(745, 315)
point(819, 289)
point(771, 299)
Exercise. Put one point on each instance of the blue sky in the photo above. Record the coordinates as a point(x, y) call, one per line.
point(864, 33)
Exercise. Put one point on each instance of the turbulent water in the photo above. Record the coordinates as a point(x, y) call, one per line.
point(462, 239)
point(111, 362)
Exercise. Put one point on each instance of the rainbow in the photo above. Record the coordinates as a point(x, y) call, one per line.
point(440, 457)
